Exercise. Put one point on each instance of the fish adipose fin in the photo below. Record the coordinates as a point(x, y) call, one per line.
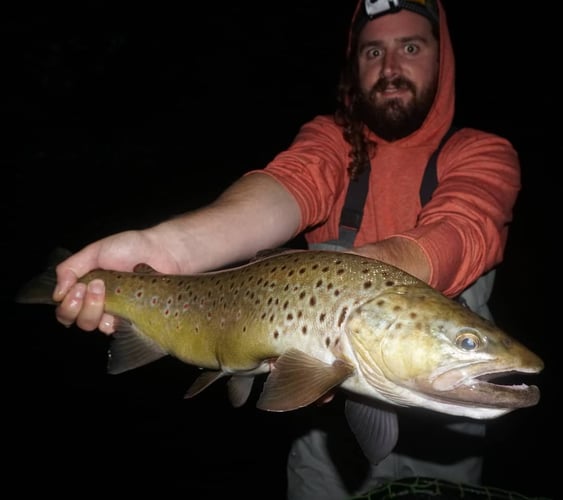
point(298, 380)
point(376, 429)
point(131, 349)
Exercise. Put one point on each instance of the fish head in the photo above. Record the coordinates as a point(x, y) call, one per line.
point(419, 348)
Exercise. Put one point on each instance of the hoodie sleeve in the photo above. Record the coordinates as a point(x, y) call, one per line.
point(463, 229)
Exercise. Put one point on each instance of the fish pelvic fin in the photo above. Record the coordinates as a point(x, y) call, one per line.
point(239, 389)
point(376, 428)
point(238, 386)
point(130, 349)
point(297, 380)
point(202, 382)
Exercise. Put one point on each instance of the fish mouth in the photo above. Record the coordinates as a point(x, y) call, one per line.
point(494, 389)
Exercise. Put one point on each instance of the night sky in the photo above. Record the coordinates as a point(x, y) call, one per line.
point(118, 115)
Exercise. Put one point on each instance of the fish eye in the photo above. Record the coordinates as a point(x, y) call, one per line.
point(468, 341)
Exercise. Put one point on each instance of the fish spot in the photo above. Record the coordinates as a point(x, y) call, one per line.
point(276, 334)
point(322, 317)
point(397, 308)
point(302, 270)
point(315, 267)
point(342, 316)
point(270, 300)
point(154, 301)
point(302, 295)
point(368, 285)
point(139, 294)
point(413, 315)
point(336, 293)
point(304, 329)
point(186, 306)
point(118, 291)
point(313, 301)
point(290, 273)
point(398, 325)
point(325, 269)
point(330, 286)
point(389, 283)
point(299, 314)
point(341, 271)
point(285, 305)
point(327, 341)
point(272, 318)
point(318, 284)
point(166, 312)
point(380, 302)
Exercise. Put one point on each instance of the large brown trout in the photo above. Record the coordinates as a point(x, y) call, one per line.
point(316, 321)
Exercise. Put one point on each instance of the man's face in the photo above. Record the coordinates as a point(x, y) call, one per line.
point(398, 62)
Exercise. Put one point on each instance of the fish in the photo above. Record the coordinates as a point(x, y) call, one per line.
point(315, 322)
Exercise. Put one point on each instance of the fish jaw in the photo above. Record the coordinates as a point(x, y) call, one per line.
point(416, 347)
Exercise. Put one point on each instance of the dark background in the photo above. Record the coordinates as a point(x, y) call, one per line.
point(119, 114)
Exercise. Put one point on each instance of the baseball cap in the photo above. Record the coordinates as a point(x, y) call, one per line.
point(375, 8)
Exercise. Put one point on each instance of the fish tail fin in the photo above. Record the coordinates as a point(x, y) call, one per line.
point(39, 290)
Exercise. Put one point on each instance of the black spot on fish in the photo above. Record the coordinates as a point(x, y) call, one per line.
point(380, 302)
point(322, 317)
point(304, 329)
point(398, 325)
point(342, 316)
point(368, 285)
point(341, 271)
point(302, 295)
point(276, 334)
point(327, 342)
point(319, 283)
point(289, 317)
point(413, 315)
point(389, 283)
point(313, 301)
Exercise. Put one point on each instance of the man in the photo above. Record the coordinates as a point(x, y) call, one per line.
point(396, 104)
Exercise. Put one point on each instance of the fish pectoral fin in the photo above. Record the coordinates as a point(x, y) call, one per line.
point(130, 349)
point(239, 388)
point(376, 428)
point(202, 382)
point(297, 380)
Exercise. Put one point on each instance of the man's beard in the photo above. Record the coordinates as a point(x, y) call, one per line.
point(391, 119)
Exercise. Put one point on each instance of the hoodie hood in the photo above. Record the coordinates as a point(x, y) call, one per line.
point(441, 113)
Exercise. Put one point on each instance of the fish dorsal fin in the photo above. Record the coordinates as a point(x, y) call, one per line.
point(130, 349)
point(298, 380)
point(239, 388)
point(376, 428)
point(202, 382)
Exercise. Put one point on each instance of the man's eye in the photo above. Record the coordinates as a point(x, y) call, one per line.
point(411, 49)
point(374, 53)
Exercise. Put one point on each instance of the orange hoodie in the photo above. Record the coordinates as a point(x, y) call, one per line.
point(462, 229)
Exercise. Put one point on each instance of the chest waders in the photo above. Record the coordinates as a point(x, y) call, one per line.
point(475, 296)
